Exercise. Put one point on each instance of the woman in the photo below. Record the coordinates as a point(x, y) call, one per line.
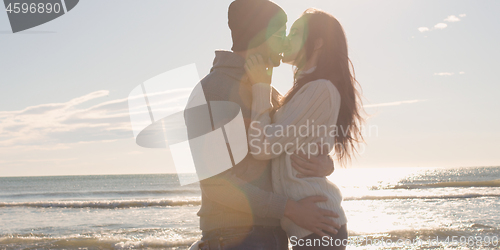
point(323, 106)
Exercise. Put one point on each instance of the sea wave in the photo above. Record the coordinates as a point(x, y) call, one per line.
point(490, 183)
point(111, 204)
point(482, 235)
point(103, 193)
point(129, 239)
point(399, 197)
point(93, 242)
point(103, 203)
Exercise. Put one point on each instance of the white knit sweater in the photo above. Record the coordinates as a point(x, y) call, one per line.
point(309, 117)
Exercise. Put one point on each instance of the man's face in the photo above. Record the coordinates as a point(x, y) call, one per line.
point(275, 47)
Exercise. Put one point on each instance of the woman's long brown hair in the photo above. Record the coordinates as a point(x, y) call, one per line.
point(334, 65)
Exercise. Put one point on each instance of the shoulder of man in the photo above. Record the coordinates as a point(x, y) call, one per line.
point(216, 85)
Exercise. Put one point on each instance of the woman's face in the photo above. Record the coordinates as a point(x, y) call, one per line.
point(294, 43)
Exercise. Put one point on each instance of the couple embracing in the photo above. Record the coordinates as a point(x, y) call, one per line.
point(279, 194)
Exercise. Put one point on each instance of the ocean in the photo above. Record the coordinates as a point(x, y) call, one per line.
point(417, 208)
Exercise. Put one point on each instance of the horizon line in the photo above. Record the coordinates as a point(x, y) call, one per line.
point(14, 176)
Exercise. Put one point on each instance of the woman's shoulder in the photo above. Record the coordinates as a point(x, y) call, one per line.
point(318, 86)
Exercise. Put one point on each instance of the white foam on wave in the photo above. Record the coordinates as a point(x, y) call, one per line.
point(104, 203)
point(102, 193)
point(466, 184)
point(95, 241)
point(154, 242)
point(424, 196)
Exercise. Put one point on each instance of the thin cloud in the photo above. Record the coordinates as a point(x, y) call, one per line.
point(47, 108)
point(392, 103)
point(448, 73)
point(444, 74)
point(62, 123)
point(49, 124)
point(452, 19)
point(440, 26)
point(423, 29)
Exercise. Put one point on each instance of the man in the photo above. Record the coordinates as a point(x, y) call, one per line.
point(239, 209)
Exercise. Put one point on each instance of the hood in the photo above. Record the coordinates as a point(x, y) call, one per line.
point(229, 63)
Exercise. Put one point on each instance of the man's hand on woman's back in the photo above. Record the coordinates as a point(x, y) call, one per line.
point(306, 214)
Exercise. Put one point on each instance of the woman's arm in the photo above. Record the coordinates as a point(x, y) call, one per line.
point(310, 106)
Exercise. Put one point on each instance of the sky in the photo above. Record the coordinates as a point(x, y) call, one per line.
point(428, 72)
